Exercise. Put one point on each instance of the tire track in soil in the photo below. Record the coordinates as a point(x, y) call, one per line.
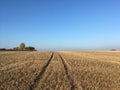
point(72, 85)
point(38, 78)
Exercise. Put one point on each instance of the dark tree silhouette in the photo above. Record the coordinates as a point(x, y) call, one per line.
point(30, 48)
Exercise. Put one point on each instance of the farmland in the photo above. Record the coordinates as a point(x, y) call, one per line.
point(65, 70)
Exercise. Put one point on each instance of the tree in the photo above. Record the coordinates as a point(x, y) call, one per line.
point(113, 50)
point(30, 48)
point(16, 49)
point(2, 49)
point(22, 46)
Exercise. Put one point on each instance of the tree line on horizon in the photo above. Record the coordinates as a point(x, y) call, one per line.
point(21, 47)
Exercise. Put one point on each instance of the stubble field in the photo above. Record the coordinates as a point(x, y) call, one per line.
point(65, 70)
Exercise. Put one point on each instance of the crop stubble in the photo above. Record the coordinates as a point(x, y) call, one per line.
point(56, 76)
point(60, 71)
point(20, 73)
point(95, 70)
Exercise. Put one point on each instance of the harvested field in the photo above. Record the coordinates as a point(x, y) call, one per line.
point(94, 70)
point(97, 70)
point(19, 69)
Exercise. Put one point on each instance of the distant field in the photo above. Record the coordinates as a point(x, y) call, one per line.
point(65, 70)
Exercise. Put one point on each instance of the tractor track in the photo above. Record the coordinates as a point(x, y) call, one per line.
point(38, 78)
point(72, 85)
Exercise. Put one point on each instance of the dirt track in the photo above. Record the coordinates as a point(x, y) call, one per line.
point(41, 73)
point(44, 74)
point(59, 71)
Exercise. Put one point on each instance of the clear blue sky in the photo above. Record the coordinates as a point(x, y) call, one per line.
point(60, 24)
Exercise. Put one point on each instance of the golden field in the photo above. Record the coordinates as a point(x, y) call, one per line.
point(64, 70)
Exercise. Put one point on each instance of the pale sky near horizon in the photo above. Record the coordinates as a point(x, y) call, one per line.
point(60, 24)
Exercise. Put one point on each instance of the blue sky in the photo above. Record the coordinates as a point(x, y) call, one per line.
point(60, 24)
